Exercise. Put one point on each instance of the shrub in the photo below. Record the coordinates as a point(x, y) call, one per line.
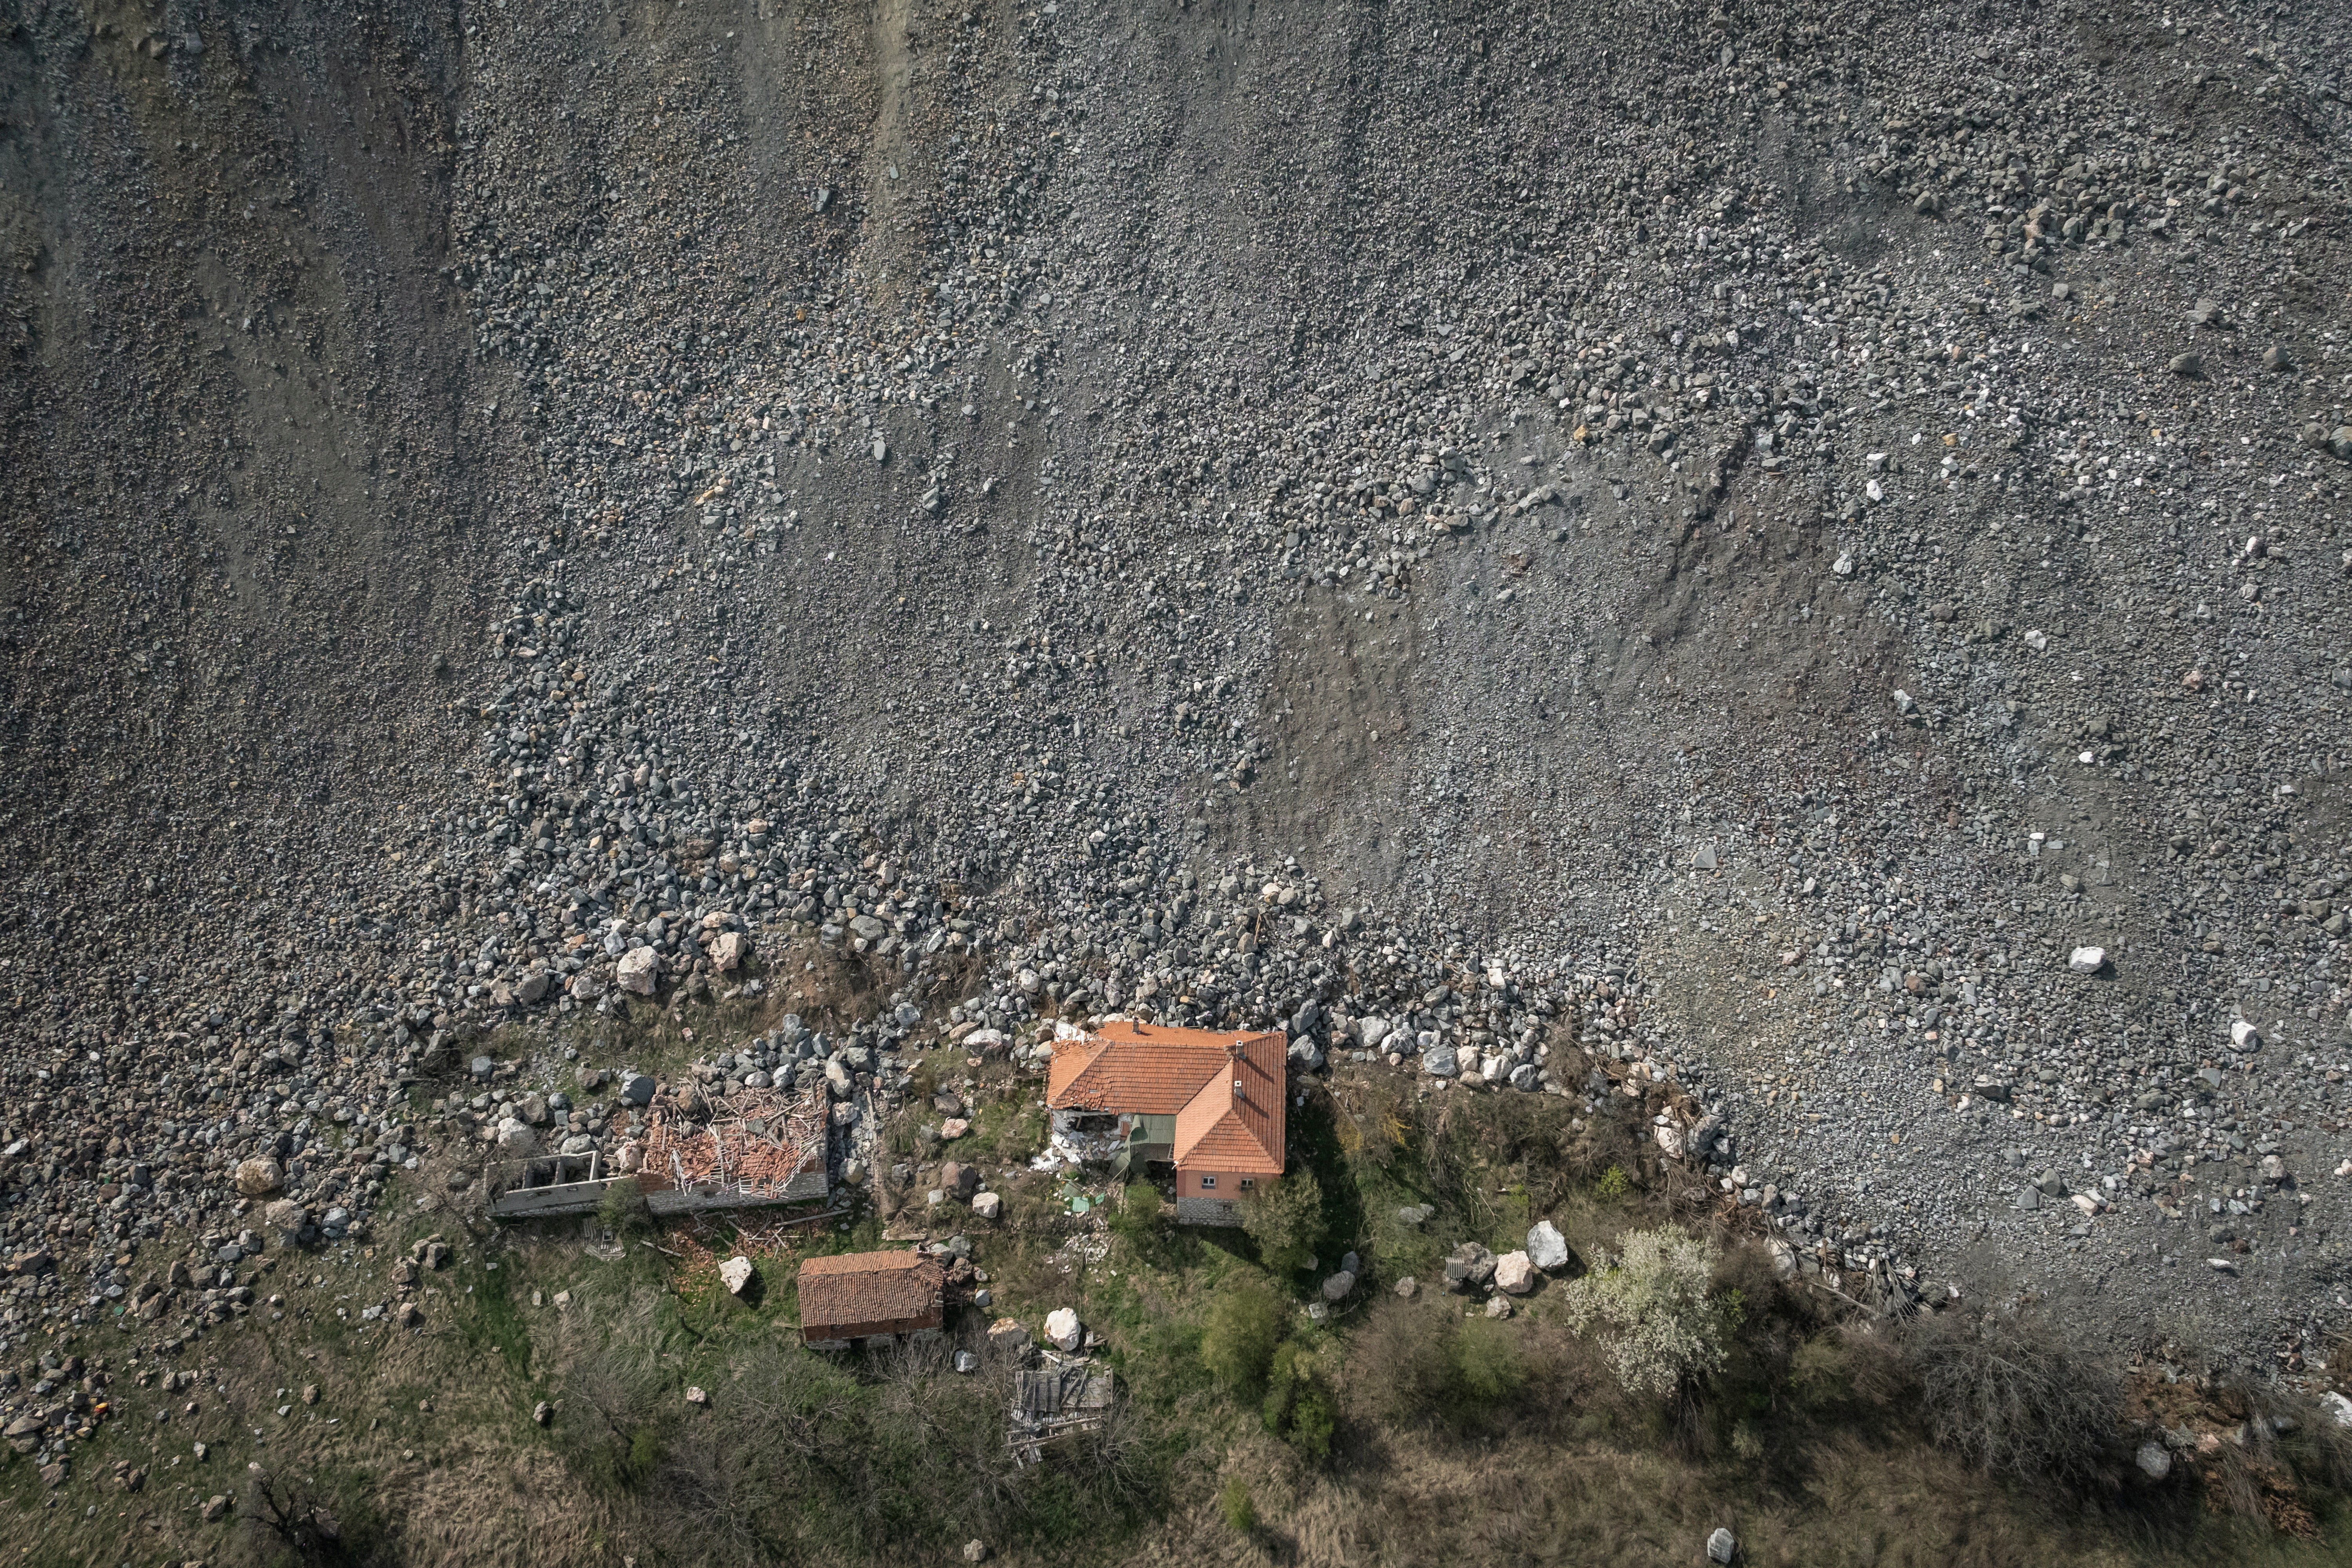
point(1486, 1363)
point(1233, 1502)
point(2007, 1395)
point(1285, 1220)
point(1136, 1220)
point(1411, 1365)
point(623, 1210)
point(1614, 1182)
point(1399, 1363)
point(1662, 1327)
point(1299, 1404)
point(1237, 1344)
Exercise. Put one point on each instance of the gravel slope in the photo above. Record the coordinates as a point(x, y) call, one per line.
point(1771, 528)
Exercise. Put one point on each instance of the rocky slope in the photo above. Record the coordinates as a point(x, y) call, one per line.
point(1741, 537)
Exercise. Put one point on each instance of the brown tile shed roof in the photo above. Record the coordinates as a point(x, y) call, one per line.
point(1144, 1069)
point(869, 1287)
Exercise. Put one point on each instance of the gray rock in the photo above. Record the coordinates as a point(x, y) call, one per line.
point(1722, 1546)
point(637, 1089)
point(2154, 1461)
point(2187, 365)
point(1469, 1266)
point(1440, 1061)
point(1546, 1248)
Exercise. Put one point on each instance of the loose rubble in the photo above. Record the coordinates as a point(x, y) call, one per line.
point(1836, 656)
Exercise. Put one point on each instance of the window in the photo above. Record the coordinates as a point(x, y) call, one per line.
point(1247, 1182)
point(1207, 1182)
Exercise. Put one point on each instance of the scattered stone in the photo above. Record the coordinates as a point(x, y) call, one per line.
point(259, 1177)
point(638, 969)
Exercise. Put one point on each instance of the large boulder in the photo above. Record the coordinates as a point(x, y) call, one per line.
point(987, 1206)
point(638, 969)
point(517, 1140)
point(532, 988)
point(1514, 1273)
point(1338, 1286)
point(959, 1180)
point(1007, 1337)
point(1439, 1061)
point(259, 1177)
point(735, 1274)
point(727, 953)
point(1062, 1329)
point(1546, 1248)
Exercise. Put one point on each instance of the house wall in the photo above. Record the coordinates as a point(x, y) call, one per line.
point(1218, 1205)
point(817, 1333)
point(1228, 1188)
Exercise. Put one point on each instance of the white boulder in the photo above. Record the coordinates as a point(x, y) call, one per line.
point(735, 1274)
point(1062, 1330)
point(637, 970)
point(1515, 1273)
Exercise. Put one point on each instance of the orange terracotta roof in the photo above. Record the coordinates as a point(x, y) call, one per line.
point(1144, 1069)
point(1235, 1121)
point(869, 1287)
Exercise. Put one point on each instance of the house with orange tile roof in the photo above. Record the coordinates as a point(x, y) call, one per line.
point(1208, 1103)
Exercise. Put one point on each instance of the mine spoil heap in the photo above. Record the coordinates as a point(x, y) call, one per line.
point(1789, 570)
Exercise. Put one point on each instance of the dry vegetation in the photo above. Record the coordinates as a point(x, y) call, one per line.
point(1398, 1431)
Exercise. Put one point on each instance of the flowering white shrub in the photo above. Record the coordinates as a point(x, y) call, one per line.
point(1659, 1325)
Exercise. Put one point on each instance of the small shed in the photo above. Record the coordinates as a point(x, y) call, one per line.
point(870, 1296)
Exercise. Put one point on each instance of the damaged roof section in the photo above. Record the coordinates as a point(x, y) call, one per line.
point(757, 1145)
point(1225, 1088)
